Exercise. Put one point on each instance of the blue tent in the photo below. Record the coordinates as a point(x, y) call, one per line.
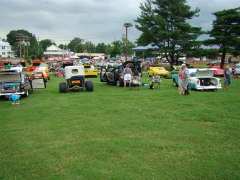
point(148, 58)
point(85, 59)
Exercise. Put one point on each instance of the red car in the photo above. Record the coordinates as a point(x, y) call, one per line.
point(218, 72)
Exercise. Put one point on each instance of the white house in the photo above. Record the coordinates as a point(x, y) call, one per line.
point(5, 49)
point(57, 52)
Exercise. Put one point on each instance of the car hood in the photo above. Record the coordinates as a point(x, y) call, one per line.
point(205, 72)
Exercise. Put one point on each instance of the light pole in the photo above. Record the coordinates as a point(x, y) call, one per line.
point(126, 51)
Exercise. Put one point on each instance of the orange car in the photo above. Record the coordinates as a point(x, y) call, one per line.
point(40, 72)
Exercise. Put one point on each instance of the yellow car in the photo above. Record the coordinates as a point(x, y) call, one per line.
point(157, 71)
point(90, 71)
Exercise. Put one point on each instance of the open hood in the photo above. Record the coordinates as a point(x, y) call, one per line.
point(205, 72)
point(132, 63)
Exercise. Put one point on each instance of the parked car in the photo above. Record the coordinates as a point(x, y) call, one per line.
point(237, 69)
point(179, 63)
point(201, 79)
point(213, 62)
point(13, 81)
point(113, 75)
point(40, 74)
point(157, 71)
point(218, 71)
point(90, 71)
point(75, 80)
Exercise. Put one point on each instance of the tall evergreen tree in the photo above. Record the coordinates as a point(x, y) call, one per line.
point(164, 24)
point(226, 32)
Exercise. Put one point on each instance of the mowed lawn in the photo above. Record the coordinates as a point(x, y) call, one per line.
point(117, 133)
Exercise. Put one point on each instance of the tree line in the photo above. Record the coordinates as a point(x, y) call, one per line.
point(163, 24)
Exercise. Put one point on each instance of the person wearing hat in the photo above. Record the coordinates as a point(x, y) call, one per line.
point(180, 87)
point(185, 76)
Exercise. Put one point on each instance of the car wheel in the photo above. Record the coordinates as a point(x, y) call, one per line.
point(189, 87)
point(89, 86)
point(62, 87)
point(120, 83)
point(26, 94)
point(149, 75)
point(48, 77)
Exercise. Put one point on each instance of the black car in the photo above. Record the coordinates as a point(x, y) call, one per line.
point(113, 75)
point(179, 63)
point(15, 82)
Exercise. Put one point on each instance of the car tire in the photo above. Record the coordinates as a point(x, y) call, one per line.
point(189, 87)
point(62, 87)
point(89, 86)
point(120, 83)
point(149, 75)
point(26, 94)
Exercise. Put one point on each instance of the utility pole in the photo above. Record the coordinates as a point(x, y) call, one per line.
point(38, 45)
point(126, 51)
point(27, 43)
point(20, 39)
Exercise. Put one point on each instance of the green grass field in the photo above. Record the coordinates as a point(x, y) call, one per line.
point(117, 133)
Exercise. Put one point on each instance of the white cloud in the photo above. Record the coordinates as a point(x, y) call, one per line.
point(93, 20)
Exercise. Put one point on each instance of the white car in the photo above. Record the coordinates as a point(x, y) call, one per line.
point(201, 79)
point(237, 69)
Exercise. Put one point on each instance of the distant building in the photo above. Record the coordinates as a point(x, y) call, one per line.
point(6, 49)
point(92, 55)
point(57, 52)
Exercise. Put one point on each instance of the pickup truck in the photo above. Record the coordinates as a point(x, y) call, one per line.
point(13, 81)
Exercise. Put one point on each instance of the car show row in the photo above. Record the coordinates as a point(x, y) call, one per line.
point(15, 81)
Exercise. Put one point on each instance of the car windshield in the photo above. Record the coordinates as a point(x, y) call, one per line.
point(193, 74)
point(161, 68)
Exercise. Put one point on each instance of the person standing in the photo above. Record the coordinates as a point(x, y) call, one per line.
point(185, 76)
point(127, 72)
point(180, 88)
point(227, 77)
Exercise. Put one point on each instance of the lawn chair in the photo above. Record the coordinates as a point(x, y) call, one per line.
point(135, 82)
point(155, 82)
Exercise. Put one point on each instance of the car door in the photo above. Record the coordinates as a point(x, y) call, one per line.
point(38, 83)
point(33, 83)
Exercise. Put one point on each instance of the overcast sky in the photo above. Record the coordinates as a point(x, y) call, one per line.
point(98, 21)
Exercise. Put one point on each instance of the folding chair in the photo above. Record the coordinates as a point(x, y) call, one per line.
point(155, 82)
point(135, 82)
